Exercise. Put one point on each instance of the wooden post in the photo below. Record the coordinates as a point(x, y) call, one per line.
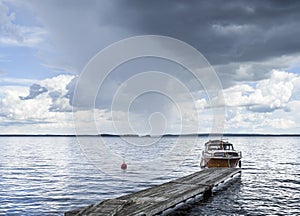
point(207, 194)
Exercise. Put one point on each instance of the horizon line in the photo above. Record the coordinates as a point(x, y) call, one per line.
point(147, 135)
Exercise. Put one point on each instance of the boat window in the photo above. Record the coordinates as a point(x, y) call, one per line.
point(214, 147)
point(228, 147)
point(234, 154)
point(219, 154)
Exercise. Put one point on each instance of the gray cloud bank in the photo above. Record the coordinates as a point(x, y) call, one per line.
point(224, 31)
point(243, 40)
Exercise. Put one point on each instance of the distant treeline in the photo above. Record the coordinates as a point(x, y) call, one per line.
point(134, 135)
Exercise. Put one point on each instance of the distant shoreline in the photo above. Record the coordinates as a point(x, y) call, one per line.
point(143, 136)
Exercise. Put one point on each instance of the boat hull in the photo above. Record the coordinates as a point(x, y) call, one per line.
point(221, 162)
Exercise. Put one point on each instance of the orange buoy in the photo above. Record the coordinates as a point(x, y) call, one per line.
point(124, 166)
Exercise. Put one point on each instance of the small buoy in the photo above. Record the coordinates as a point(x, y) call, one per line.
point(124, 166)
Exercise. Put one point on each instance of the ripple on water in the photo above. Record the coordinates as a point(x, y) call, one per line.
point(48, 176)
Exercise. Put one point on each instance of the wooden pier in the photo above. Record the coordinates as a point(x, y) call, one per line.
point(159, 198)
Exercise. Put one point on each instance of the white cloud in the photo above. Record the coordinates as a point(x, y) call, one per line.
point(17, 110)
point(57, 83)
point(265, 95)
point(44, 112)
point(49, 112)
point(281, 123)
point(239, 120)
point(12, 34)
point(266, 106)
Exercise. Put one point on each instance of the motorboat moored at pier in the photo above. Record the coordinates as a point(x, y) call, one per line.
point(220, 153)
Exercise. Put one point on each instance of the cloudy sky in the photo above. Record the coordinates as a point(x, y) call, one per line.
point(45, 47)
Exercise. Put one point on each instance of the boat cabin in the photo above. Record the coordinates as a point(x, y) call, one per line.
point(219, 145)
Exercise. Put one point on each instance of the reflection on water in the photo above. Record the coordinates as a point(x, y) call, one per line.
point(51, 175)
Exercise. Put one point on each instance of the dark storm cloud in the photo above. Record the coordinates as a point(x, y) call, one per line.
point(224, 31)
point(241, 39)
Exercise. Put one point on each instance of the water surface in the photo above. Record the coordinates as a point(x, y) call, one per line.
point(51, 175)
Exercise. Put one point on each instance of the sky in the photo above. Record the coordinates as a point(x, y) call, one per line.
point(47, 49)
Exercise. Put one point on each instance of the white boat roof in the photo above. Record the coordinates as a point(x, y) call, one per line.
point(217, 142)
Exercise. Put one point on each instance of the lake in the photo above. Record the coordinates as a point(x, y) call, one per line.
point(51, 175)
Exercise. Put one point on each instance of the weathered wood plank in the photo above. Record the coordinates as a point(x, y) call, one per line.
point(154, 200)
point(169, 196)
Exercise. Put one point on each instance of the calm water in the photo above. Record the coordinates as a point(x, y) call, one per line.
point(51, 175)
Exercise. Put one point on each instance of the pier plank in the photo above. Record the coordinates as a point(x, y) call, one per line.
point(156, 199)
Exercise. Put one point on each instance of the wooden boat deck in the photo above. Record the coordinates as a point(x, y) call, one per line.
point(156, 199)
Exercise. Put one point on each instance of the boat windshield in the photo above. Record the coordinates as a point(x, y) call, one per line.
point(228, 147)
point(221, 146)
point(212, 147)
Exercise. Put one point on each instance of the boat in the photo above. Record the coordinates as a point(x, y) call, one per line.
point(220, 153)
